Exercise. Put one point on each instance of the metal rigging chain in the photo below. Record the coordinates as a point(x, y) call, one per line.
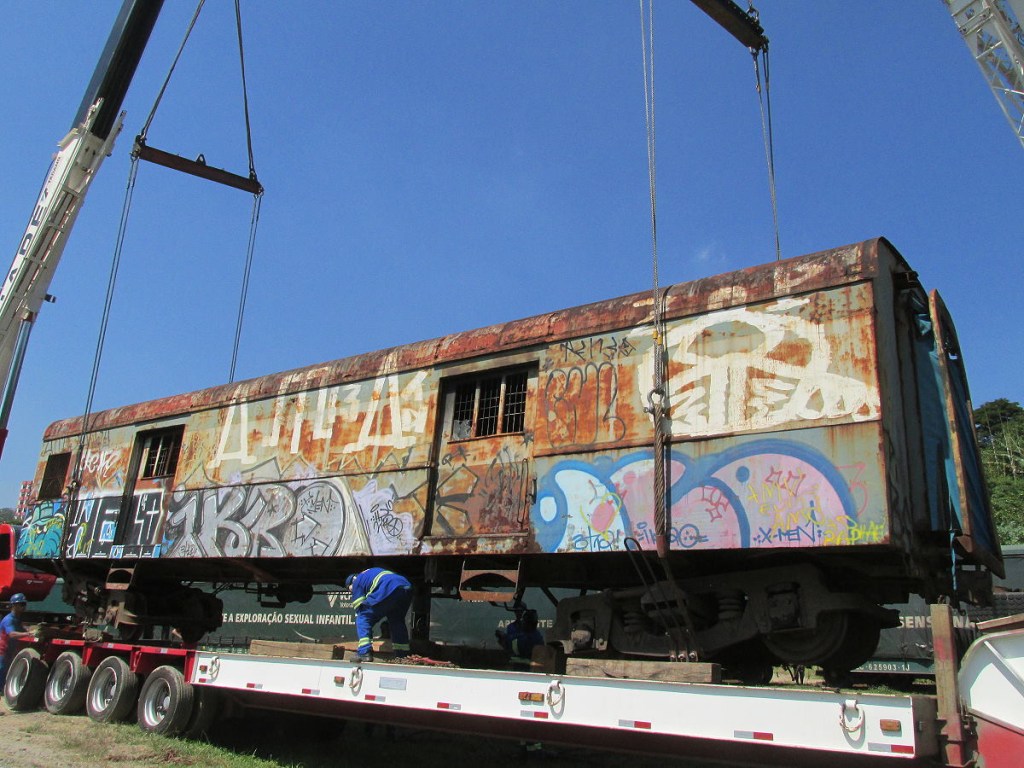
point(253, 222)
point(656, 396)
point(76, 475)
point(256, 203)
point(764, 99)
point(245, 91)
point(152, 113)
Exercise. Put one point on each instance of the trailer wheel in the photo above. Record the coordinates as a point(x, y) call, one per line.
point(165, 703)
point(205, 709)
point(66, 685)
point(26, 680)
point(113, 691)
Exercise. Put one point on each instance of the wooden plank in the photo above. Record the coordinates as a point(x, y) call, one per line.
point(295, 650)
point(1002, 624)
point(664, 671)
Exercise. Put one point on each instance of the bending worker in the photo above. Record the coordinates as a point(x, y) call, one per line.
point(379, 594)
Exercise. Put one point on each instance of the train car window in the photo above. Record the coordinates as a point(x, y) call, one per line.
point(54, 475)
point(490, 405)
point(161, 453)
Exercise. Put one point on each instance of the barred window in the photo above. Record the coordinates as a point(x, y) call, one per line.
point(52, 485)
point(160, 453)
point(490, 405)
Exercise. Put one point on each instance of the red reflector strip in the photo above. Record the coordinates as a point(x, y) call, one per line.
point(374, 697)
point(311, 691)
point(448, 705)
point(257, 686)
point(899, 749)
point(755, 735)
point(535, 715)
point(635, 724)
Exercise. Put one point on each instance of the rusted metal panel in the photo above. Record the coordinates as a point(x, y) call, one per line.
point(970, 502)
point(590, 393)
point(783, 350)
point(380, 424)
point(825, 269)
point(798, 488)
point(482, 487)
point(798, 361)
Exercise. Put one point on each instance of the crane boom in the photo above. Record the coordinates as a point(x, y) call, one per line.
point(992, 31)
point(78, 157)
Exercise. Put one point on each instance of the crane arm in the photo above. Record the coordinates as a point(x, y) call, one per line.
point(78, 157)
point(993, 34)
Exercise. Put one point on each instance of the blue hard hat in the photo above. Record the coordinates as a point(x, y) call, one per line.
point(349, 579)
point(18, 597)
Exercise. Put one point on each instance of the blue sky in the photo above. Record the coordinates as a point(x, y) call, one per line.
point(433, 167)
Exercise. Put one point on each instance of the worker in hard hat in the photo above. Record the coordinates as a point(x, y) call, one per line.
point(12, 633)
point(380, 594)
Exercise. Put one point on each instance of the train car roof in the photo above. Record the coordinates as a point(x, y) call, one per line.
point(799, 274)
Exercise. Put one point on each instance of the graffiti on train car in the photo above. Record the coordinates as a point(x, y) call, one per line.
point(759, 494)
point(324, 517)
point(104, 468)
point(792, 360)
point(783, 363)
point(371, 425)
point(318, 518)
point(582, 392)
point(43, 528)
point(481, 493)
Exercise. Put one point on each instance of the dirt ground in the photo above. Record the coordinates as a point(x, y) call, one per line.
point(41, 740)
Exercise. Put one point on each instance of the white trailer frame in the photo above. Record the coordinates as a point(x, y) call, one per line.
point(764, 725)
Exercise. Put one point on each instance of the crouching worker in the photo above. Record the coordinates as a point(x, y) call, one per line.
point(380, 594)
point(520, 638)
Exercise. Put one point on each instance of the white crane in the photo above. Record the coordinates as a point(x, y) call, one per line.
point(992, 31)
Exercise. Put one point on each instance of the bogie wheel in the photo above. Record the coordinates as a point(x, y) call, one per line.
point(66, 685)
point(26, 679)
point(841, 640)
point(113, 691)
point(165, 703)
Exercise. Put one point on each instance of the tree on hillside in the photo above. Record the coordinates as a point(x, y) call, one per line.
point(1000, 426)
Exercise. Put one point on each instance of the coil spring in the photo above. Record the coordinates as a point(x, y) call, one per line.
point(730, 604)
point(634, 621)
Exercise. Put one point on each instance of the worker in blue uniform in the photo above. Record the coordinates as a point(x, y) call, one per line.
point(380, 594)
point(520, 638)
point(12, 632)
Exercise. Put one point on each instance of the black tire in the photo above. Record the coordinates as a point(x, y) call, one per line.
point(26, 679)
point(113, 692)
point(66, 685)
point(206, 709)
point(165, 702)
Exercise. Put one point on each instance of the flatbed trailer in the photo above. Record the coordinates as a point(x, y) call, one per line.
point(976, 718)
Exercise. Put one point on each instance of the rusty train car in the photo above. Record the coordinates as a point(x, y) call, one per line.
point(817, 459)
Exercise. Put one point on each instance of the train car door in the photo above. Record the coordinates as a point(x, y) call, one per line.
point(964, 473)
